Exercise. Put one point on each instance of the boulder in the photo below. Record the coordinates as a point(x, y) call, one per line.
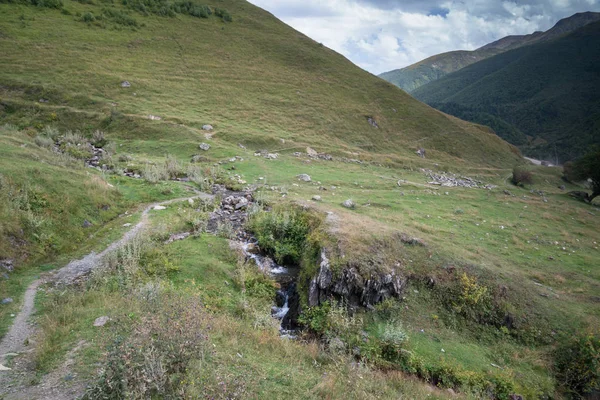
point(7, 300)
point(125, 84)
point(316, 198)
point(204, 146)
point(349, 204)
point(101, 321)
point(272, 156)
point(304, 177)
point(207, 127)
point(311, 152)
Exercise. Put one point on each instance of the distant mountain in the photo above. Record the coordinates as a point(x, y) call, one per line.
point(544, 98)
point(438, 66)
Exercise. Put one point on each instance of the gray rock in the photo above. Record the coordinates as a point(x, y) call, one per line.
point(207, 127)
point(372, 122)
point(336, 345)
point(125, 84)
point(241, 203)
point(311, 152)
point(7, 300)
point(8, 265)
point(272, 156)
point(304, 177)
point(101, 321)
point(562, 187)
point(313, 293)
point(421, 152)
point(349, 204)
point(204, 146)
point(316, 198)
point(86, 224)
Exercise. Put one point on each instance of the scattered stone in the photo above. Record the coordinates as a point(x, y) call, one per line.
point(191, 202)
point(7, 300)
point(311, 152)
point(562, 187)
point(159, 208)
point(272, 156)
point(304, 177)
point(452, 180)
point(241, 146)
point(125, 84)
point(316, 198)
point(349, 204)
point(86, 224)
point(421, 152)
point(282, 141)
point(204, 146)
point(178, 236)
point(506, 192)
point(101, 321)
point(127, 225)
point(42, 100)
point(413, 241)
point(207, 127)
point(154, 117)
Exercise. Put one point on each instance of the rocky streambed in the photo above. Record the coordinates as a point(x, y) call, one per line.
point(347, 285)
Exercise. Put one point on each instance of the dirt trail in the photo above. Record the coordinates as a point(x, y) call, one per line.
point(21, 330)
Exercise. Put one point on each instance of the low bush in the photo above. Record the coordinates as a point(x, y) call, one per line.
point(521, 177)
point(577, 365)
point(152, 361)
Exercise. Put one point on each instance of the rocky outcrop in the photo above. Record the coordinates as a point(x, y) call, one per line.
point(352, 287)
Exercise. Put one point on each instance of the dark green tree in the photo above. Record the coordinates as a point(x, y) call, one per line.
point(586, 167)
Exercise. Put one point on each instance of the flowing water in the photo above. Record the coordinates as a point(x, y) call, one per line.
point(287, 297)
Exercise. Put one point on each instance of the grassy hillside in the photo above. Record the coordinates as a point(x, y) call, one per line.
point(255, 80)
point(545, 94)
point(501, 278)
point(438, 66)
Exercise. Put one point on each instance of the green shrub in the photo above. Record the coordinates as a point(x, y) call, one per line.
point(282, 233)
point(223, 14)
point(393, 338)
point(88, 17)
point(577, 365)
point(120, 17)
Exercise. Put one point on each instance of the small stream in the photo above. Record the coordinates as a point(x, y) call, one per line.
point(286, 298)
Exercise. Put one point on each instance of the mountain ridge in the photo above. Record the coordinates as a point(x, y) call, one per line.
point(541, 97)
point(435, 67)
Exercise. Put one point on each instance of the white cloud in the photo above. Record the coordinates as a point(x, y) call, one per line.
point(381, 35)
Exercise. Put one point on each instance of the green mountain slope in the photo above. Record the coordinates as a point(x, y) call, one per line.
point(255, 79)
point(544, 98)
point(433, 68)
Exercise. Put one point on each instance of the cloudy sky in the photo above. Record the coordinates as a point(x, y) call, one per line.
point(381, 35)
